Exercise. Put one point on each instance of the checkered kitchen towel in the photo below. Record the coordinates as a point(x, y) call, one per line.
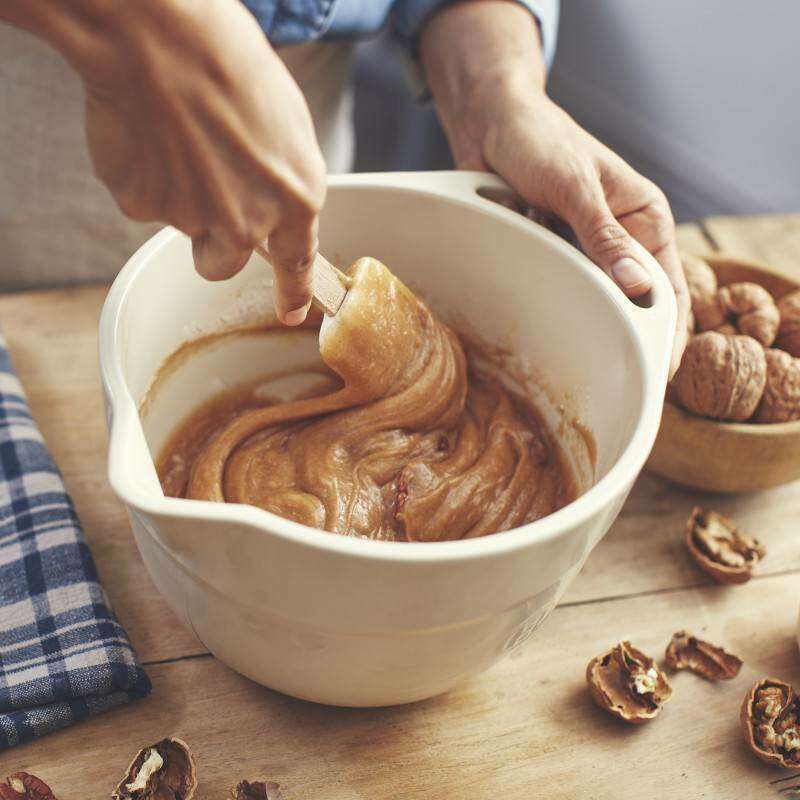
point(63, 655)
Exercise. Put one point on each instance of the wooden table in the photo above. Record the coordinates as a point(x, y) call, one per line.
point(526, 729)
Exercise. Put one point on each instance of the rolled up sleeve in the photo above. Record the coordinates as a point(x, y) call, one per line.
point(408, 17)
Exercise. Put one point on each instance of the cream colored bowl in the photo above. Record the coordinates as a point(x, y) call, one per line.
point(352, 622)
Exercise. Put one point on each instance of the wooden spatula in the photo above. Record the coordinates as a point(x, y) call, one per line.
point(330, 284)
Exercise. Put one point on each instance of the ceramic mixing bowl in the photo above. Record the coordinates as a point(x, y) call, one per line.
point(353, 622)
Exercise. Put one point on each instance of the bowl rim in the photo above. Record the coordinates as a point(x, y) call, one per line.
point(126, 437)
point(752, 429)
point(744, 428)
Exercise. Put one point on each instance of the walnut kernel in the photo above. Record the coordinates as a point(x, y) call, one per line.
point(789, 330)
point(720, 548)
point(257, 790)
point(627, 683)
point(781, 399)
point(703, 658)
point(770, 719)
point(752, 309)
point(721, 377)
point(163, 770)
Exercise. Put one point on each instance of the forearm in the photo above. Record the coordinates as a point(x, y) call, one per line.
point(470, 51)
point(65, 24)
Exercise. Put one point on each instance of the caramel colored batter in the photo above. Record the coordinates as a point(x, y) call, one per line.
point(411, 445)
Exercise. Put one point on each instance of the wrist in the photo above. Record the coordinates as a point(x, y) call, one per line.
point(481, 58)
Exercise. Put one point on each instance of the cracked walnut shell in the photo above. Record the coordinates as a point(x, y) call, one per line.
point(752, 309)
point(720, 548)
point(789, 330)
point(769, 719)
point(781, 399)
point(702, 283)
point(163, 771)
point(721, 377)
point(24, 786)
point(627, 683)
point(703, 658)
point(257, 790)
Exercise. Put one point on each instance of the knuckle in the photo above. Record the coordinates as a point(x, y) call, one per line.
point(242, 236)
point(607, 239)
point(660, 213)
point(133, 207)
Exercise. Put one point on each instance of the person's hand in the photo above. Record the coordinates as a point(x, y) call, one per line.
point(497, 117)
point(192, 119)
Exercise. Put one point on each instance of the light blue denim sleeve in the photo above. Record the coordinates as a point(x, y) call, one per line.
point(408, 17)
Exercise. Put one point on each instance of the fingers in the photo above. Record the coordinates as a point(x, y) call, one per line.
point(292, 248)
point(217, 256)
point(651, 223)
point(602, 237)
point(671, 264)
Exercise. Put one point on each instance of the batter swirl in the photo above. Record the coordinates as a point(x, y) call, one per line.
point(413, 446)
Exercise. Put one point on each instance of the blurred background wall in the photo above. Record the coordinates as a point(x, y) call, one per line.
point(702, 96)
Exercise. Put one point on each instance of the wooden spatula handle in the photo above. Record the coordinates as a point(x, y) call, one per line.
point(330, 285)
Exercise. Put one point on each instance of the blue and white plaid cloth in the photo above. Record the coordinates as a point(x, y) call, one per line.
point(63, 655)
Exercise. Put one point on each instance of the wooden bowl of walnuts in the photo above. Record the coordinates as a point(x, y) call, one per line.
point(731, 422)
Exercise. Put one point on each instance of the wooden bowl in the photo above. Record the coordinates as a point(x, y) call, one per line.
point(729, 456)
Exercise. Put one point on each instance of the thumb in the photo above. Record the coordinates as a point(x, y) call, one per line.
point(605, 241)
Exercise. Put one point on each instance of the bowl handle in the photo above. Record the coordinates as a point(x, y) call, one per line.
point(653, 317)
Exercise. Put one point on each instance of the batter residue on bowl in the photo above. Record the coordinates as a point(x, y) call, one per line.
point(411, 445)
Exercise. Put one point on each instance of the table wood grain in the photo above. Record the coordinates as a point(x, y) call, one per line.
point(524, 729)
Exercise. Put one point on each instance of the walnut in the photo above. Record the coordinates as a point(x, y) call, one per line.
point(721, 377)
point(163, 771)
point(703, 658)
point(753, 310)
point(769, 718)
point(627, 683)
point(702, 282)
point(789, 330)
point(258, 790)
point(720, 548)
point(23, 786)
point(781, 399)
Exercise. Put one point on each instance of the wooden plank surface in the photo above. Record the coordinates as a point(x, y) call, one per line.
point(525, 729)
point(774, 239)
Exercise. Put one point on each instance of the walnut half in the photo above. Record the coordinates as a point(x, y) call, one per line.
point(257, 790)
point(720, 548)
point(24, 786)
point(627, 683)
point(163, 771)
point(769, 718)
point(703, 658)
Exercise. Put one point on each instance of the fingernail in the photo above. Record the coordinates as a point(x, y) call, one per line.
point(295, 316)
point(629, 273)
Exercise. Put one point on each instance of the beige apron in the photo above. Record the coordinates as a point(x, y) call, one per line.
point(58, 224)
